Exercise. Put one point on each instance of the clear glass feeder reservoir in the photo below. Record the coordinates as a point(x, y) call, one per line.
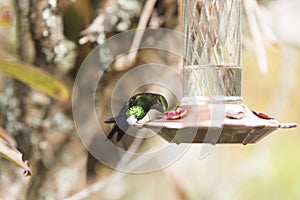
point(212, 109)
point(212, 51)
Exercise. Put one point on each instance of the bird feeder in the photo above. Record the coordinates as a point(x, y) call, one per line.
point(212, 109)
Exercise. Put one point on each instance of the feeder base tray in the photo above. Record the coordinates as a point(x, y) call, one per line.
point(214, 123)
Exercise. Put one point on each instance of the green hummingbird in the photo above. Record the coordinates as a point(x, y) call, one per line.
point(135, 109)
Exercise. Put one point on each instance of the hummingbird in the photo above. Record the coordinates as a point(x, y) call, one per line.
point(135, 109)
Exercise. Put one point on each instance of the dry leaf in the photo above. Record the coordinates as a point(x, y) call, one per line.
point(4, 135)
point(9, 152)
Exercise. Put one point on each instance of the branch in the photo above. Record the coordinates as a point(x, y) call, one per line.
point(126, 61)
point(125, 160)
point(115, 18)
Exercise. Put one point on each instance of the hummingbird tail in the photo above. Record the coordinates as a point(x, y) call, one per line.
point(120, 135)
point(113, 131)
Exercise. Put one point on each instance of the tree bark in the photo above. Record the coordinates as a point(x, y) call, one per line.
point(43, 127)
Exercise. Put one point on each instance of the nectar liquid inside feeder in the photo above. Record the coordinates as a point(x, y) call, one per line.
point(212, 109)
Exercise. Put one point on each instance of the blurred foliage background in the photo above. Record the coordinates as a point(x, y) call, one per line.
point(56, 36)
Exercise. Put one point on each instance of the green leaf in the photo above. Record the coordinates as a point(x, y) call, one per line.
point(35, 78)
point(8, 151)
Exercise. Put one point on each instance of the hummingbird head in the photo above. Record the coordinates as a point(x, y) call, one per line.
point(161, 104)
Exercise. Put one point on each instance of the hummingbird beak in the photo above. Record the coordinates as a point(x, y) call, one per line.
point(158, 107)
